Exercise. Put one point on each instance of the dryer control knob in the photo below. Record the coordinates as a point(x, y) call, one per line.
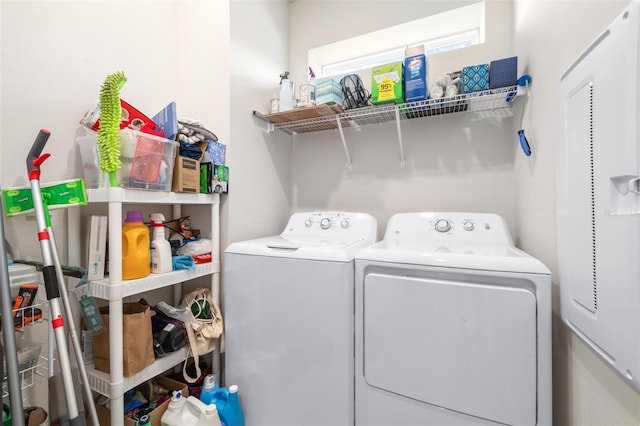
point(443, 225)
point(344, 223)
point(468, 226)
point(308, 223)
point(325, 223)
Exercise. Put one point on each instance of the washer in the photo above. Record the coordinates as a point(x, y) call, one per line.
point(453, 325)
point(289, 320)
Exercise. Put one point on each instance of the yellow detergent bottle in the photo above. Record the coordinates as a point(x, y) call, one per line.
point(135, 247)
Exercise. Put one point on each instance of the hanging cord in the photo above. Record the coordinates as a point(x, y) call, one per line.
point(525, 81)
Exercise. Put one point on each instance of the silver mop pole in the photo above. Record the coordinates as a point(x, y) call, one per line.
point(10, 350)
point(34, 160)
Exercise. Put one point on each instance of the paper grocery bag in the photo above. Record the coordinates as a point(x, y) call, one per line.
point(137, 340)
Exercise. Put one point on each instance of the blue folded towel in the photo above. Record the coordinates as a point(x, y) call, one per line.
point(184, 261)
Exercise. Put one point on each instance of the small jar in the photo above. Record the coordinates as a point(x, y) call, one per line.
point(274, 105)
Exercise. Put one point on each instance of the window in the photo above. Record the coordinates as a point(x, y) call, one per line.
point(453, 29)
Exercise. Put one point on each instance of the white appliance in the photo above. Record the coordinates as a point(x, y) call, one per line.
point(289, 320)
point(598, 198)
point(453, 325)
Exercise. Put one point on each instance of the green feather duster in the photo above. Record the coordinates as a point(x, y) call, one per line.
point(109, 132)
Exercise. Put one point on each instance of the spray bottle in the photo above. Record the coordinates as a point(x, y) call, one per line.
point(286, 92)
point(161, 261)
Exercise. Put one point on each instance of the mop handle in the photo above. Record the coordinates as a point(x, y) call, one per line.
point(51, 284)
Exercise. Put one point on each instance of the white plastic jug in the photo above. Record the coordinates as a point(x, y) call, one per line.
point(190, 412)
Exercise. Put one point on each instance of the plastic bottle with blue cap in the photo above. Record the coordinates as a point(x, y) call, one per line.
point(189, 411)
point(227, 401)
point(208, 388)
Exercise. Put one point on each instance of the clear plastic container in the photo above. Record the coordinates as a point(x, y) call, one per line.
point(147, 161)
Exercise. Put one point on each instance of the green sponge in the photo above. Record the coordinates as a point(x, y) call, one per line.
point(109, 132)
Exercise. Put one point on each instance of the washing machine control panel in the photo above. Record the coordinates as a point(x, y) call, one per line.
point(450, 227)
point(331, 225)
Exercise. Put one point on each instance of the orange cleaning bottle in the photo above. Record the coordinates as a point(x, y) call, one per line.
point(135, 247)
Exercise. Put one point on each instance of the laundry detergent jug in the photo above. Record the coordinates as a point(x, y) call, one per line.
point(227, 402)
point(189, 411)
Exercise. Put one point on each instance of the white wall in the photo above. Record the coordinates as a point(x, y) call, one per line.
point(55, 56)
point(259, 201)
point(548, 37)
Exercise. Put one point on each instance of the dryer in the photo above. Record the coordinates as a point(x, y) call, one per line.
point(289, 319)
point(453, 325)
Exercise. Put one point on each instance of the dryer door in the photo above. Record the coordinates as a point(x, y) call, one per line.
point(466, 347)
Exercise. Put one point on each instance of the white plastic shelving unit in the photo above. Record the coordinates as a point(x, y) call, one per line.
point(495, 102)
point(114, 289)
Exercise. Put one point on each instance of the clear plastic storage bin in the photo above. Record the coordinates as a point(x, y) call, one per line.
point(147, 161)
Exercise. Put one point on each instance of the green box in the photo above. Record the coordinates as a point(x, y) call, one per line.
point(387, 84)
point(220, 182)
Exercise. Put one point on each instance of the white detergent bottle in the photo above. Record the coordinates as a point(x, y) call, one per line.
point(161, 261)
point(173, 409)
point(192, 412)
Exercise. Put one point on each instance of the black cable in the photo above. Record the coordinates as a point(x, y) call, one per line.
point(354, 95)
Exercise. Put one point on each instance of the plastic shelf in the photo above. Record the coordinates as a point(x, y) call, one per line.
point(114, 289)
point(102, 383)
point(104, 289)
point(140, 196)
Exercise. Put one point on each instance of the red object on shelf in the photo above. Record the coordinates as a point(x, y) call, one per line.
point(202, 258)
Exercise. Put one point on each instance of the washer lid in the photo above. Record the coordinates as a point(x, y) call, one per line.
point(486, 257)
point(309, 249)
point(328, 236)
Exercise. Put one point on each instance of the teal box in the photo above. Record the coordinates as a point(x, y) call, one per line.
point(415, 78)
point(328, 87)
point(474, 79)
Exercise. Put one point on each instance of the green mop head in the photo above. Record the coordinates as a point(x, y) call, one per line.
point(109, 132)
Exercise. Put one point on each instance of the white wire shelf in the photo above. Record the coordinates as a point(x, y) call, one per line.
point(496, 103)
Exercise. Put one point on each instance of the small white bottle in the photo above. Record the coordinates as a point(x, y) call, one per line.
point(286, 94)
point(161, 261)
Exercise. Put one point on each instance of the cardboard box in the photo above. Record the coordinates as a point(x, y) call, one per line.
point(214, 178)
point(387, 83)
point(104, 414)
point(415, 74)
point(186, 175)
point(220, 182)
